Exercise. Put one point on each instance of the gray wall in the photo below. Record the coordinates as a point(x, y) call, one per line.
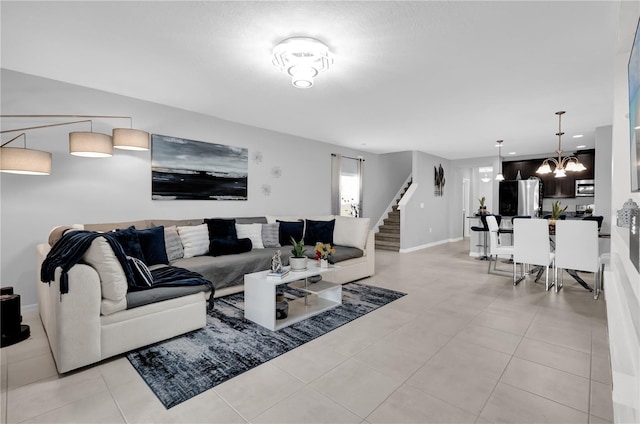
point(603, 176)
point(84, 190)
point(385, 174)
point(425, 216)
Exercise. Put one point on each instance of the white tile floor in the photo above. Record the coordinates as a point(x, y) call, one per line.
point(463, 347)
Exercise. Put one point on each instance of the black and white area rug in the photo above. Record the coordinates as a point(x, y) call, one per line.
point(185, 366)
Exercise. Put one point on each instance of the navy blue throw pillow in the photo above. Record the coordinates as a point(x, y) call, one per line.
point(221, 228)
point(225, 246)
point(290, 229)
point(153, 247)
point(319, 232)
point(130, 242)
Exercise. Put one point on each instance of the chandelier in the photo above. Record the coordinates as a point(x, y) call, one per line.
point(303, 58)
point(562, 164)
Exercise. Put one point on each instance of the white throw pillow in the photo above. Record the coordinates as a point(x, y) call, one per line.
point(352, 232)
point(195, 240)
point(112, 279)
point(252, 232)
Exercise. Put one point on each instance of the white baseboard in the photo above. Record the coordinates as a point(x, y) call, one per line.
point(29, 308)
point(426, 246)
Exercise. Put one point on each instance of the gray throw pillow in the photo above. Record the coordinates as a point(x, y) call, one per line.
point(270, 237)
point(172, 243)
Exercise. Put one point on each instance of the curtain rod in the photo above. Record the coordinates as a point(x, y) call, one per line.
point(348, 157)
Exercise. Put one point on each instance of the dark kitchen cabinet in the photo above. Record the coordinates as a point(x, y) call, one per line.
point(552, 187)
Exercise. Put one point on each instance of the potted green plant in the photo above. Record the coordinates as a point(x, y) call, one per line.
point(298, 260)
point(556, 211)
point(482, 209)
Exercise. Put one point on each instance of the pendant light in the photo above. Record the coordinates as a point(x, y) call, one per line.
point(499, 177)
point(20, 160)
point(562, 164)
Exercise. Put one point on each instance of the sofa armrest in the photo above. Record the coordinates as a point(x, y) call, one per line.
point(72, 320)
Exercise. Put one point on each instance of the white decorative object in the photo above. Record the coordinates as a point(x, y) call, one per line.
point(624, 214)
point(324, 263)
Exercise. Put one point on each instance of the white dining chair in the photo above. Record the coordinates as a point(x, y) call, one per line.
point(496, 249)
point(577, 248)
point(531, 246)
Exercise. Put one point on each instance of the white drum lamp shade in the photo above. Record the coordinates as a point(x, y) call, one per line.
point(130, 139)
point(90, 144)
point(17, 160)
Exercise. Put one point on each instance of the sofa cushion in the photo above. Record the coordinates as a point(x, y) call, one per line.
point(319, 232)
point(225, 246)
point(270, 235)
point(290, 229)
point(195, 240)
point(172, 243)
point(160, 294)
point(351, 232)
point(251, 220)
point(153, 245)
point(113, 282)
point(252, 232)
point(103, 228)
point(130, 242)
point(174, 222)
point(343, 253)
point(221, 228)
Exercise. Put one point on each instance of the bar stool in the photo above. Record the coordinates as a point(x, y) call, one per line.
point(485, 230)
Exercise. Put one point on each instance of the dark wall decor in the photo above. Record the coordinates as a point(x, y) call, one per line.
point(438, 180)
point(184, 169)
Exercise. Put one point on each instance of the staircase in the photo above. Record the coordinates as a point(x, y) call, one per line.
point(388, 235)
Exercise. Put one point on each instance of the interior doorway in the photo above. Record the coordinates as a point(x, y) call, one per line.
point(346, 185)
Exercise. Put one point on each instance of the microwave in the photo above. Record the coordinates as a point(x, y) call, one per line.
point(585, 188)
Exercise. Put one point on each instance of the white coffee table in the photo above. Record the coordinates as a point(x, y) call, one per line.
point(260, 296)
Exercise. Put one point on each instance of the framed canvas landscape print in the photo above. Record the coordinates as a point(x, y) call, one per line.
point(184, 169)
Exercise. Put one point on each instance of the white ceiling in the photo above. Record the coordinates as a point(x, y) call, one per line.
point(447, 78)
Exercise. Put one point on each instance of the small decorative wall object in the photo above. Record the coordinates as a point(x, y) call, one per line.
point(624, 214)
point(438, 180)
point(276, 172)
point(184, 169)
point(266, 189)
point(257, 157)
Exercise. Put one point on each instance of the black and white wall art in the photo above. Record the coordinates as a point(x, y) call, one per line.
point(184, 169)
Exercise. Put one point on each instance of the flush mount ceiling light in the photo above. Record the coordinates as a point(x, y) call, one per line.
point(562, 164)
point(303, 58)
point(499, 177)
point(20, 160)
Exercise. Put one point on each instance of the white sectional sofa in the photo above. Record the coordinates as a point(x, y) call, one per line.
point(82, 331)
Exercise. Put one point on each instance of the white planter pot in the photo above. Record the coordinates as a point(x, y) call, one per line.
point(298, 264)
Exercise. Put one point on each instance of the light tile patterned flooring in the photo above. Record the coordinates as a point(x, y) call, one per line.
point(463, 347)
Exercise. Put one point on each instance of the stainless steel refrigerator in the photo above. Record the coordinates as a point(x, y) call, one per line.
point(520, 197)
